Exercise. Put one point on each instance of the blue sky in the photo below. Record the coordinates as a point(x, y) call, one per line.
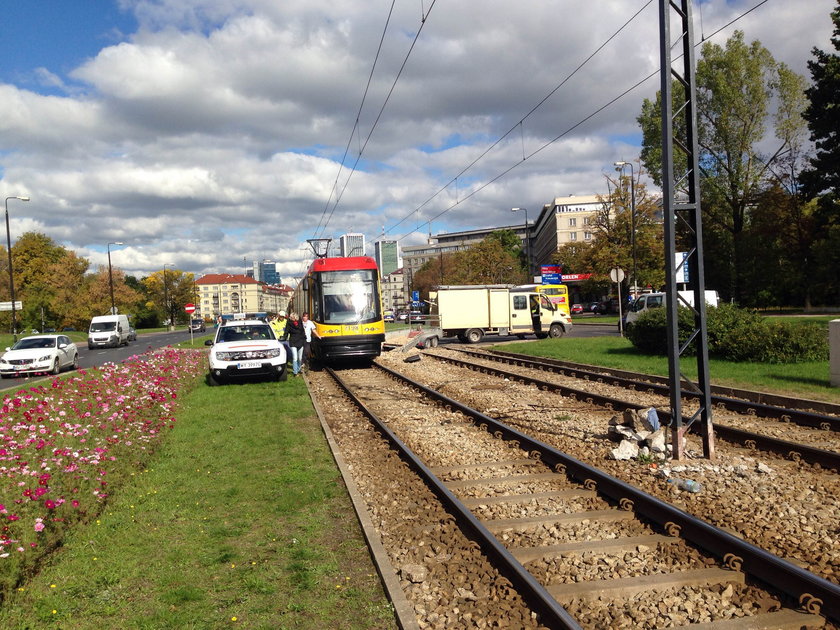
point(57, 35)
point(199, 132)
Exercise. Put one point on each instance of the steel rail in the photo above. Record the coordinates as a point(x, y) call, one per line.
point(814, 593)
point(792, 450)
point(764, 404)
point(550, 612)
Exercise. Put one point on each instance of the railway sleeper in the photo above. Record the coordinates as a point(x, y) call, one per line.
point(630, 586)
point(498, 526)
point(526, 498)
point(610, 545)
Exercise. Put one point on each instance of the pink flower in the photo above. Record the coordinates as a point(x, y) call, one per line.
point(39, 525)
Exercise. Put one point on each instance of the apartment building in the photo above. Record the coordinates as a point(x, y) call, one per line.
point(220, 293)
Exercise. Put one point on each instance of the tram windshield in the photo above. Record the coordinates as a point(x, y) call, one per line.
point(349, 297)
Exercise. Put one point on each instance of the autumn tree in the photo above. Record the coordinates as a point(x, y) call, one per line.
point(169, 298)
point(612, 230)
point(737, 87)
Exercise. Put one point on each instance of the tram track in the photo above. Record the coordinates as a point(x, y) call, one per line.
point(559, 494)
point(819, 430)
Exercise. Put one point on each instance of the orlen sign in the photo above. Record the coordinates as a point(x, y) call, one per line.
point(576, 277)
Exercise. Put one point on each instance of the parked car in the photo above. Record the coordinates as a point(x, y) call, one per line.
point(416, 317)
point(68, 329)
point(246, 349)
point(577, 309)
point(388, 315)
point(39, 354)
point(197, 325)
point(403, 316)
point(594, 307)
point(132, 334)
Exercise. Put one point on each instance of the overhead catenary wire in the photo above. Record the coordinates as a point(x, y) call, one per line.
point(358, 115)
point(553, 140)
point(519, 124)
point(379, 115)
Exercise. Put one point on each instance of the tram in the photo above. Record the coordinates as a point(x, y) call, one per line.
point(342, 297)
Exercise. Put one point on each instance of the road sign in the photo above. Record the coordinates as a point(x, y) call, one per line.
point(189, 308)
point(617, 274)
point(7, 306)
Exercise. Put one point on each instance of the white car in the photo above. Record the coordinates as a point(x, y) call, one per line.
point(246, 349)
point(39, 354)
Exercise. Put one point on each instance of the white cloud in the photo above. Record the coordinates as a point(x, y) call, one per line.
point(212, 133)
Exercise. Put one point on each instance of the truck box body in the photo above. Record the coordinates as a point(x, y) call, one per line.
point(470, 312)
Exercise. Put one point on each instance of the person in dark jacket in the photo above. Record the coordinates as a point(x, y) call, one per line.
point(297, 338)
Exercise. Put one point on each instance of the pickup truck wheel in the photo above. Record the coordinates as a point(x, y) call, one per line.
point(474, 335)
point(556, 331)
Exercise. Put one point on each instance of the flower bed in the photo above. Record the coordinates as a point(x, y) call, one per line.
point(66, 444)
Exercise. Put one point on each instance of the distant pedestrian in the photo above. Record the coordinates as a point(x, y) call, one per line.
point(309, 330)
point(297, 338)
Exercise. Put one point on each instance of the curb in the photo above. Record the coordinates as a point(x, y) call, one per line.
point(403, 610)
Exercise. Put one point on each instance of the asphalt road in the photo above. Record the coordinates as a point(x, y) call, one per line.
point(98, 356)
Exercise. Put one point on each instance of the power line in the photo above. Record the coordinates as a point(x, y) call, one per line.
point(524, 118)
point(358, 115)
point(381, 110)
point(558, 137)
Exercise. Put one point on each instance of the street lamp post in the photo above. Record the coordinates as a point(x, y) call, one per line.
point(620, 168)
point(527, 241)
point(111, 277)
point(11, 275)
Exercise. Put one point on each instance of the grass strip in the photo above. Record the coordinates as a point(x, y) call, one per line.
point(807, 380)
point(240, 520)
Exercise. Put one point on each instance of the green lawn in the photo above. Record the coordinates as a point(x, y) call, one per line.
point(808, 380)
point(240, 520)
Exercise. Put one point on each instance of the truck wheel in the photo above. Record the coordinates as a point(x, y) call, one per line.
point(474, 335)
point(556, 331)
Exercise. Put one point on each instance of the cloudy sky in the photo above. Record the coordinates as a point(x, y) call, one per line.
point(203, 133)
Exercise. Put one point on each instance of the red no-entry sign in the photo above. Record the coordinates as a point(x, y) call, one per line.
point(189, 308)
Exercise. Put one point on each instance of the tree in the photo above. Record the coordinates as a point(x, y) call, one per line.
point(736, 86)
point(612, 238)
point(822, 178)
point(169, 299)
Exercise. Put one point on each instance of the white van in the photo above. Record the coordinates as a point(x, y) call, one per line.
point(108, 331)
point(647, 301)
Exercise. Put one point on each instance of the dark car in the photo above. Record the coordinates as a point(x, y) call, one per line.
point(594, 307)
point(416, 317)
point(197, 325)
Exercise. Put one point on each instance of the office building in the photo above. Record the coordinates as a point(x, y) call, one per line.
point(352, 245)
point(387, 256)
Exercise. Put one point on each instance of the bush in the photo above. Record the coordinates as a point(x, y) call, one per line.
point(734, 334)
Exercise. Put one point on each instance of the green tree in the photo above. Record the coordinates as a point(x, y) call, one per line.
point(822, 178)
point(736, 87)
